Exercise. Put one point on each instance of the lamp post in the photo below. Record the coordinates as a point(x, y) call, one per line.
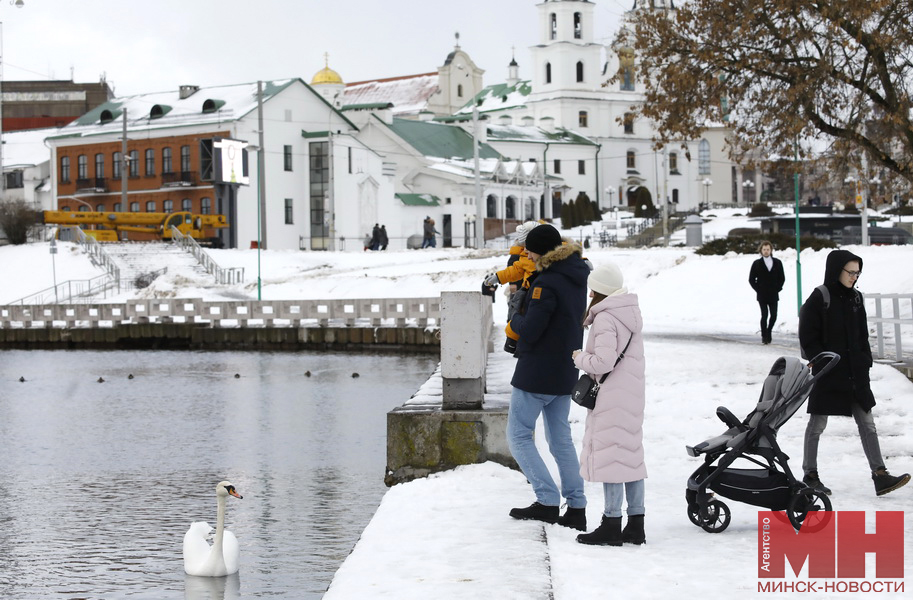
point(54, 266)
point(862, 201)
point(748, 187)
point(706, 183)
point(611, 192)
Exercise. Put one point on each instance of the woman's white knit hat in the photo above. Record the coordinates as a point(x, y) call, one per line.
point(523, 230)
point(606, 279)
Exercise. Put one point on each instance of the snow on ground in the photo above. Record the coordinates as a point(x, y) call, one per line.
point(449, 536)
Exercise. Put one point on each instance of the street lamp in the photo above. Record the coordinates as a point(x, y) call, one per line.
point(707, 183)
point(748, 186)
point(862, 204)
point(611, 192)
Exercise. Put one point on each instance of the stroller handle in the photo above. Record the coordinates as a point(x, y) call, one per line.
point(831, 358)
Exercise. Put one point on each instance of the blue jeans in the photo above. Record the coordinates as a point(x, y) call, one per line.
point(525, 408)
point(632, 490)
point(865, 422)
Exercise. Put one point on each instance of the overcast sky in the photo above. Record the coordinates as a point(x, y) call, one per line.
point(157, 45)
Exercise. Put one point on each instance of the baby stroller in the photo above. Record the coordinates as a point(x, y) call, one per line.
point(772, 486)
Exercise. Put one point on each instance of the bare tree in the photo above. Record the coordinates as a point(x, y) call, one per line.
point(835, 72)
point(16, 219)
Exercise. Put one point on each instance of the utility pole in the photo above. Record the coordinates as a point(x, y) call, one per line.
point(124, 165)
point(261, 170)
point(480, 215)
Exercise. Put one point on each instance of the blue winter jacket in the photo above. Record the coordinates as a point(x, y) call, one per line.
point(549, 323)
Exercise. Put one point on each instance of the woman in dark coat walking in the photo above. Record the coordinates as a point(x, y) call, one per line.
point(835, 321)
point(767, 278)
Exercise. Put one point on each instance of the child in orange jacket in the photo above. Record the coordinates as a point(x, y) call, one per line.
point(519, 268)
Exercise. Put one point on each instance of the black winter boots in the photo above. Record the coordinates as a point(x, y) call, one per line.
point(536, 512)
point(885, 482)
point(812, 481)
point(575, 518)
point(633, 532)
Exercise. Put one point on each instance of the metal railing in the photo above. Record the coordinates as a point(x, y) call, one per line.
point(896, 311)
point(370, 312)
point(74, 291)
point(97, 253)
point(223, 276)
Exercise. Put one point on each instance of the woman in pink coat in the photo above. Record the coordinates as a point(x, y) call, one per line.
point(613, 450)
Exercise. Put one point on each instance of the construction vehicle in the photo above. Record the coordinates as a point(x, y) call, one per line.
point(115, 226)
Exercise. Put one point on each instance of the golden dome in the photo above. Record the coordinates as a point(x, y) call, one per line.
point(327, 75)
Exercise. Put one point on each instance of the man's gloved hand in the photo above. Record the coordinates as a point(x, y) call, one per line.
point(492, 280)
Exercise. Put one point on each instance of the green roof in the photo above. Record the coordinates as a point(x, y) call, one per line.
point(419, 199)
point(442, 141)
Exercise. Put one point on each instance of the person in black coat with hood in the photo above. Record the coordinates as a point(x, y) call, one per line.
point(767, 278)
point(548, 325)
point(838, 324)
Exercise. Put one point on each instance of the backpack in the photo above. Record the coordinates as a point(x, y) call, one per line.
point(826, 294)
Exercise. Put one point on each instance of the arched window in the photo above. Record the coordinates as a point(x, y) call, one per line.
point(168, 206)
point(510, 210)
point(548, 72)
point(579, 71)
point(150, 206)
point(673, 163)
point(582, 118)
point(185, 159)
point(118, 207)
point(150, 162)
point(99, 165)
point(134, 207)
point(116, 164)
point(166, 161)
point(82, 167)
point(134, 163)
point(631, 159)
point(578, 26)
point(205, 206)
point(491, 207)
point(703, 157)
point(187, 205)
point(64, 169)
point(629, 123)
point(100, 207)
point(553, 26)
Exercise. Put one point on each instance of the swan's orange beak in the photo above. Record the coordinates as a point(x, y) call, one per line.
point(234, 493)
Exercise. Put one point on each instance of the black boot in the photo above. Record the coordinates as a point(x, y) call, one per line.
point(536, 512)
point(812, 481)
point(607, 534)
point(575, 518)
point(633, 532)
point(885, 482)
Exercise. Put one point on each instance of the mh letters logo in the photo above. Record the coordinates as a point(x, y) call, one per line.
point(833, 543)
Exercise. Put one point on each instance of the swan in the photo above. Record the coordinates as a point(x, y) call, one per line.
point(221, 558)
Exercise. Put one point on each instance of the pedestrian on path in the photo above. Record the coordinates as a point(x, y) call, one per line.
point(613, 449)
point(548, 325)
point(833, 319)
point(767, 278)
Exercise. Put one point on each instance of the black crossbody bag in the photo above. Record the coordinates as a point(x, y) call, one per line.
point(586, 388)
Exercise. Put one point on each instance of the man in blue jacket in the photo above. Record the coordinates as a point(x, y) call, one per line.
point(549, 325)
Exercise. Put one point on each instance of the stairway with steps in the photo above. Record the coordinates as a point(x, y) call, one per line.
point(139, 260)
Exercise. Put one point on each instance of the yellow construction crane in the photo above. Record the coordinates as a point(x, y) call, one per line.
point(114, 226)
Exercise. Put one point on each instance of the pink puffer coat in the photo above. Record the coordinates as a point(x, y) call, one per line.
point(613, 450)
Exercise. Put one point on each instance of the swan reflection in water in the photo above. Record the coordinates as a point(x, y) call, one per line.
point(212, 588)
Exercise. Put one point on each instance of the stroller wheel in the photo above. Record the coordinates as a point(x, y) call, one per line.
point(807, 501)
point(715, 519)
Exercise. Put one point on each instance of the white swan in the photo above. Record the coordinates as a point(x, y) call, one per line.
point(222, 557)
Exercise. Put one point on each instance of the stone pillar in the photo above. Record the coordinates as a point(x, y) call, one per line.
point(465, 328)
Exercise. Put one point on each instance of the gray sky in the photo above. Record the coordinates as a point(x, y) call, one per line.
point(157, 45)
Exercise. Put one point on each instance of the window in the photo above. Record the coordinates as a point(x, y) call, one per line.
point(134, 207)
point(673, 163)
point(118, 207)
point(187, 205)
point(578, 26)
point(581, 167)
point(350, 158)
point(289, 214)
point(557, 168)
point(64, 169)
point(287, 157)
point(82, 167)
point(14, 179)
point(460, 90)
point(166, 161)
point(631, 159)
point(675, 196)
point(84, 208)
point(582, 118)
point(168, 206)
point(205, 206)
point(579, 71)
point(100, 165)
point(116, 162)
point(548, 72)
point(510, 208)
point(185, 159)
point(703, 157)
point(553, 26)
point(134, 163)
point(629, 123)
point(150, 206)
point(319, 176)
point(100, 207)
point(150, 162)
